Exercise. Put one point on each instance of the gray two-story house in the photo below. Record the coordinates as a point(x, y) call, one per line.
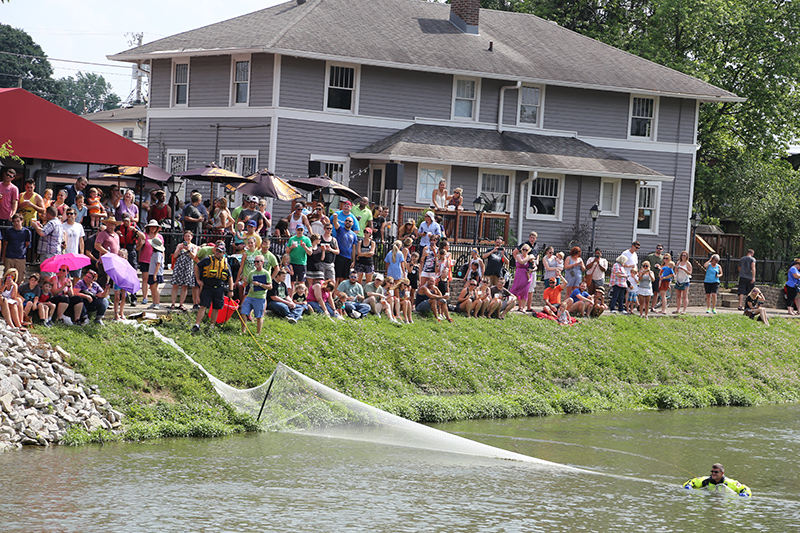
point(545, 120)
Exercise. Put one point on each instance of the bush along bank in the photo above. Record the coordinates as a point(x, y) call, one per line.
point(41, 398)
point(433, 372)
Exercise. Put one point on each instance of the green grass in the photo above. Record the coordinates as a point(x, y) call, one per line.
point(437, 372)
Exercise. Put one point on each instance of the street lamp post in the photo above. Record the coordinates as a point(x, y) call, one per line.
point(479, 204)
point(694, 220)
point(173, 186)
point(594, 211)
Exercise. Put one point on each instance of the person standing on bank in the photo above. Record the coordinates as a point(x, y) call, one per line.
point(747, 276)
point(717, 478)
point(212, 274)
point(711, 282)
point(495, 259)
point(597, 267)
point(792, 286)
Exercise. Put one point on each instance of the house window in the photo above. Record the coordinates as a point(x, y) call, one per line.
point(497, 186)
point(127, 133)
point(649, 198)
point(245, 163)
point(545, 197)
point(609, 196)
point(241, 81)
point(181, 84)
point(336, 168)
point(530, 100)
point(341, 88)
point(176, 161)
point(428, 179)
point(465, 98)
point(643, 113)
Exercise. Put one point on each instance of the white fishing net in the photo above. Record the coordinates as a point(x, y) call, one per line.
point(291, 401)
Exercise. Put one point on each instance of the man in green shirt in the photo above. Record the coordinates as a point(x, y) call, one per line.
point(256, 300)
point(271, 264)
point(299, 248)
point(364, 215)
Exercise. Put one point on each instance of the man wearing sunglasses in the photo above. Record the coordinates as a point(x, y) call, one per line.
point(716, 481)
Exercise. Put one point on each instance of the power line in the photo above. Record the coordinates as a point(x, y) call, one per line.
point(66, 60)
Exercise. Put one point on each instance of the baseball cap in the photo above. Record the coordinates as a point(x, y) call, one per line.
point(300, 226)
point(252, 223)
point(368, 230)
point(347, 202)
point(221, 248)
point(254, 199)
point(430, 214)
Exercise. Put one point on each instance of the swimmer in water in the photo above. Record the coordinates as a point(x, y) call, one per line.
point(717, 477)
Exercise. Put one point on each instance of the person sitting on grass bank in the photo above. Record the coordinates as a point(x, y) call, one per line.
point(501, 300)
point(279, 301)
point(430, 299)
point(212, 275)
point(598, 307)
point(95, 297)
point(353, 297)
point(754, 306)
point(580, 302)
point(717, 477)
point(320, 299)
point(552, 295)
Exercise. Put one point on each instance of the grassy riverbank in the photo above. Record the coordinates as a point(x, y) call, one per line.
point(435, 372)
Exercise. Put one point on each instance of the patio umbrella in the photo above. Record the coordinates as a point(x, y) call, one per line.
point(71, 261)
point(313, 184)
point(150, 172)
point(265, 183)
point(213, 173)
point(121, 272)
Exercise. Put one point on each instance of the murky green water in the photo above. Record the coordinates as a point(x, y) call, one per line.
point(281, 482)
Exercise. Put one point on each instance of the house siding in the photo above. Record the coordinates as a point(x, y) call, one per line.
point(198, 136)
point(676, 120)
point(302, 83)
point(209, 81)
point(403, 94)
point(261, 77)
point(590, 113)
point(160, 79)
point(510, 107)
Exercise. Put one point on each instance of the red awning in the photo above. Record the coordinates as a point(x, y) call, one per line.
point(38, 129)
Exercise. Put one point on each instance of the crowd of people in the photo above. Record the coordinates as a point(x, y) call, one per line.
point(330, 263)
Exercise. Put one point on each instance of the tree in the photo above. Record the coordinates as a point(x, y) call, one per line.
point(86, 93)
point(23, 60)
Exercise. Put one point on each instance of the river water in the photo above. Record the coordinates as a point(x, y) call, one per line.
point(289, 482)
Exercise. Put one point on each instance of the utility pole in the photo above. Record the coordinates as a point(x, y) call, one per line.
point(136, 40)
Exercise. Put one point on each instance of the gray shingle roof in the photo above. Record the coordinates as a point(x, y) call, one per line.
point(417, 35)
point(510, 150)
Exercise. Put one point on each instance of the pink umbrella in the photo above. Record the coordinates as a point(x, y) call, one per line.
point(121, 272)
point(71, 261)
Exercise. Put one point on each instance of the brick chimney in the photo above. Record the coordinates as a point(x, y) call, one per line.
point(464, 15)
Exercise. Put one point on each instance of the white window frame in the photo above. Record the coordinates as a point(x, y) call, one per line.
point(657, 208)
point(176, 153)
point(616, 183)
point(512, 184)
point(539, 120)
point(476, 103)
point(173, 85)
point(559, 200)
point(128, 133)
point(654, 119)
point(236, 59)
point(239, 155)
point(344, 161)
point(356, 84)
point(424, 166)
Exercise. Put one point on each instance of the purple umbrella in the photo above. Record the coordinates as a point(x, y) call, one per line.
point(121, 272)
point(71, 261)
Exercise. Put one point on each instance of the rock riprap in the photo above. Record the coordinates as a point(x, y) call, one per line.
point(41, 397)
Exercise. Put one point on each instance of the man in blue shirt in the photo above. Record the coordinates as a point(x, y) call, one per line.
point(15, 243)
point(340, 216)
point(580, 302)
point(346, 238)
point(428, 228)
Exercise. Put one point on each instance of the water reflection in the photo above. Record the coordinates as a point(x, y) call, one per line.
point(282, 482)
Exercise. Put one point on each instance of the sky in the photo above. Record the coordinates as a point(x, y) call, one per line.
point(89, 30)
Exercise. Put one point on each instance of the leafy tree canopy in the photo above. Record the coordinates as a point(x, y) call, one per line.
point(86, 93)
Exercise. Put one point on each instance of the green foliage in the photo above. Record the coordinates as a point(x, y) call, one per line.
point(36, 73)
point(86, 93)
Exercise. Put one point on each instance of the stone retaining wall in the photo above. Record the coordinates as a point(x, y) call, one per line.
point(41, 397)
